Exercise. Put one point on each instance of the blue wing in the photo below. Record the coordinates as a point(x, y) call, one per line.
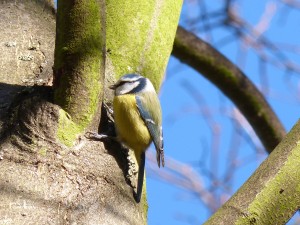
point(152, 123)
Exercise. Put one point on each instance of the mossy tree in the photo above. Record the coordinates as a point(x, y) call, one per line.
point(50, 172)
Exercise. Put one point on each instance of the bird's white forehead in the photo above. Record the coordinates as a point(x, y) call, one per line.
point(130, 78)
point(133, 84)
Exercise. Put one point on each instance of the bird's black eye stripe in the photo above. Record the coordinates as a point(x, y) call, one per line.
point(121, 83)
point(140, 86)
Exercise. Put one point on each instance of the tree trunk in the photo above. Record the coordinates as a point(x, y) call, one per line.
point(49, 172)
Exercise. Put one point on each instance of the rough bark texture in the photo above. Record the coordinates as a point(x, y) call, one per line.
point(41, 180)
point(46, 177)
point(26, 47)
point(45, 182)
point(232, 82)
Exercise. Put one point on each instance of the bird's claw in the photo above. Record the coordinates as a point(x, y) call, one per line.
point(95, 136)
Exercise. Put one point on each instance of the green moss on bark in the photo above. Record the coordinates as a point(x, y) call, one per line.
point(272, 194)
point(67, 130)
point(43, 151)
point(277, 202)
point(138, 38)
point(142, 39)
point(79, 59)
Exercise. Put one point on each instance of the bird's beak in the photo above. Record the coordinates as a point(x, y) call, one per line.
point(113, 87)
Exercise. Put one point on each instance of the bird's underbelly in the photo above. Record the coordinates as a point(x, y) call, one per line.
point(130, 127)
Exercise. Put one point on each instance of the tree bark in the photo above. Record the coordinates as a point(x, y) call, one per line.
point(79, 62)
point(272, 194)
point(26, 48)
point(49, 172)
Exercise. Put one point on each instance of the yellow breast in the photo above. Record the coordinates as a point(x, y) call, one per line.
point(130, 127)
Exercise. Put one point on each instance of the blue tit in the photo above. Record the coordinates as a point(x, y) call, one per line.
point(138, 120)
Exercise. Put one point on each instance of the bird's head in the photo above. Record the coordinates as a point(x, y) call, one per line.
point(132, 84)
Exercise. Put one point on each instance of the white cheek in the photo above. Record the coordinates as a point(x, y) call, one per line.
point(125, 88)
point(118, 91)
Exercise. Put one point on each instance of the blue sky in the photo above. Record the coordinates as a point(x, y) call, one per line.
point(187, 135)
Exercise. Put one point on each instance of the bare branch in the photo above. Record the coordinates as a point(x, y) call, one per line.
point(233, 83)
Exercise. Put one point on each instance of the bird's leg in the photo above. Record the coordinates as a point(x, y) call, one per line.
point(99, 137)
point(131, 166)
point(109, 131)
point(109, 112)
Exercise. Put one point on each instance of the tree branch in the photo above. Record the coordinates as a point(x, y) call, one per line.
point(271, 195)
point(79, 60)
point(233, 83)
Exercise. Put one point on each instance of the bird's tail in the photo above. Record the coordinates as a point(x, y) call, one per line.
point(141, 162)
point(160, 157)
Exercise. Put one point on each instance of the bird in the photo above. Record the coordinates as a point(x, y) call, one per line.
point(138, 120)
